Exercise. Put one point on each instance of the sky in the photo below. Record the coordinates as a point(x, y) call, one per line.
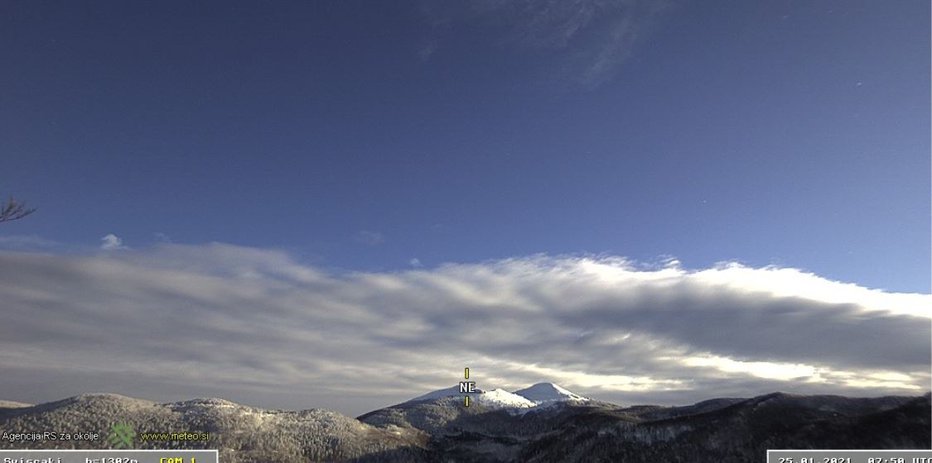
point(342, 204)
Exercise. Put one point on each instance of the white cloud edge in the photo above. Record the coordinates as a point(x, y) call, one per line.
point(111, 242)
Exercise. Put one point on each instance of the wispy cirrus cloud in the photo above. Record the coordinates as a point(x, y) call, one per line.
point(370, 238)
point(253, 325)
point(586, 41)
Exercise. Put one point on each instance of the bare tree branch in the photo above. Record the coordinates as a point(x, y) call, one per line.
point(14, 210)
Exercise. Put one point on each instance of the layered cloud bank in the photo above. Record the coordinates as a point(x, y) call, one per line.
point(255, 326)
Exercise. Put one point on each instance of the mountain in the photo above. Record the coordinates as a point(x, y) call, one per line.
point(542, 393)
point(241, 433)
point(496, 428)
point(496, 398)
point(500, 398)
point(453, 391)
point(740, 432)
point(564, 426)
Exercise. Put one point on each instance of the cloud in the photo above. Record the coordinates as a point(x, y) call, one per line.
point(427, 50)
point(586, 41)
point(253, 325)
point(415, 262)
point(369, 238)
point(111, 242)
point(27, 242)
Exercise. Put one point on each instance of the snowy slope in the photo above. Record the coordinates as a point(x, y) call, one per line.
point(544, 393)
point(441, 393)
point(496, 398)
point(500, 398)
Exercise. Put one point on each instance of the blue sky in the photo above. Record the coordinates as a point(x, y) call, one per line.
point(385, 138)
point(791, 133)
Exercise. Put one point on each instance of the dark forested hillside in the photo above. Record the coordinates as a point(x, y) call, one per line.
point(720, 430)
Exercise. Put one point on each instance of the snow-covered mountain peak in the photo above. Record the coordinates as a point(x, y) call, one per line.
point(495, 398)
point(500, 398)
point(453, 391)
point(542, 393)
point(536, 395)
